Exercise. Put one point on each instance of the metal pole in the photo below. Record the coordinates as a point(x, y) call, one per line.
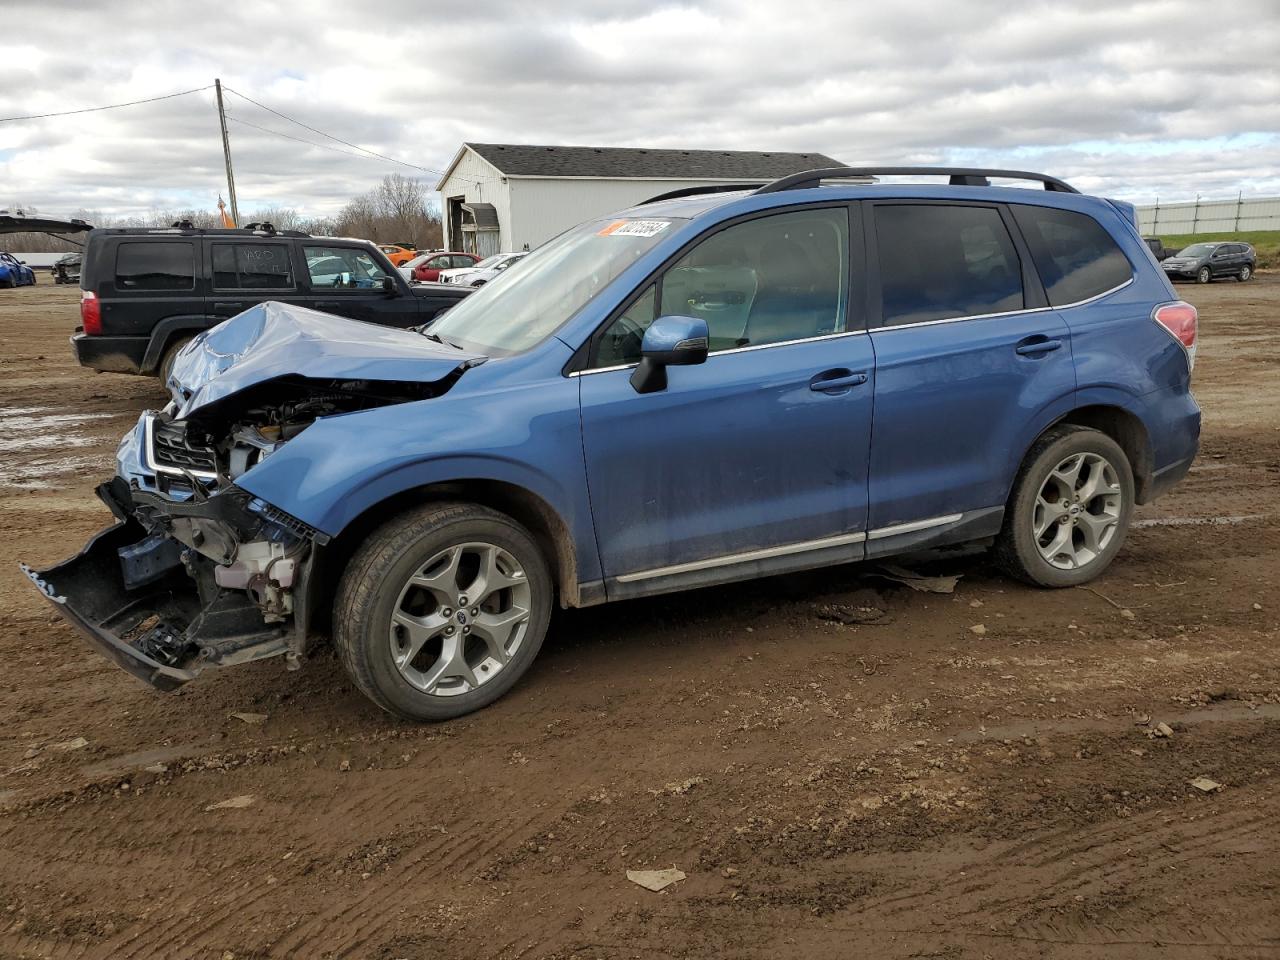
point(226, 152)
point(1239, 201)
point(1195, 217)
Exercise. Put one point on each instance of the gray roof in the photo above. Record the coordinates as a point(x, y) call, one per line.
point(528, 160)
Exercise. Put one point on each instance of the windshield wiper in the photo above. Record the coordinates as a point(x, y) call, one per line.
point(438, 339)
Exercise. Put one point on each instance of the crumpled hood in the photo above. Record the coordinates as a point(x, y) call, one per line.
point(274, 340)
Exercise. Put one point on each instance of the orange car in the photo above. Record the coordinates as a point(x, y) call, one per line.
point(398, 253)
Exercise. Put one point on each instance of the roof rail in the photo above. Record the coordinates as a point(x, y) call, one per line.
point(960, 177)
point(697, 191)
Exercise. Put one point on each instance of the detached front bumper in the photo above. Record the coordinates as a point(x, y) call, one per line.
point(158, 608)
point(88, 591)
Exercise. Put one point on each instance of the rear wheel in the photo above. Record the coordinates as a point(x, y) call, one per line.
point(170, 355)
point(1070, 509)
point(1245, 273)
point(1204, 275)
point(442, 610)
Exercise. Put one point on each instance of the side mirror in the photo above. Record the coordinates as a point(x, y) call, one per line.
point(388, 285)
point(669, 342)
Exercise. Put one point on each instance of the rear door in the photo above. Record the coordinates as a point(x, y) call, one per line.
point(244, 273)
point(966, 352)
point(347, 280)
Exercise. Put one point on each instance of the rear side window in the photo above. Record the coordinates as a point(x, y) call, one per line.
point(252, 266)
point(167, 265)
point(1077, 258)
point(940, 262)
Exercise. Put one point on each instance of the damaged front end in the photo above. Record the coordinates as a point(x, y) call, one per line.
point(178, 586)
point(197, 571)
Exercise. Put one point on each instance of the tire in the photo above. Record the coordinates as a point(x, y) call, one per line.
point(1246, 272)
point(438, 671)
point(479, 283)
point(165, 367)
point(1051, 558)
point(1204, 275)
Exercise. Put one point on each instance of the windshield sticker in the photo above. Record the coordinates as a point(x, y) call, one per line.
point(635, 228)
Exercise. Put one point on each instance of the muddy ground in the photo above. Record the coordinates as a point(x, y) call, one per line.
point(904, 787)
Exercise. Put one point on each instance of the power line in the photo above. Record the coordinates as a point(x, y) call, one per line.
point(347, 143)
point(310, 143)
point(110, 106)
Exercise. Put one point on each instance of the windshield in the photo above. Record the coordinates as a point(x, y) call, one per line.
point(1197, 250)
point(554, 282)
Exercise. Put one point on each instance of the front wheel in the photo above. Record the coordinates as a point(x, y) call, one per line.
point(1204, 275)
point(1070, 509)
point(442, 610)
point(1245, 273)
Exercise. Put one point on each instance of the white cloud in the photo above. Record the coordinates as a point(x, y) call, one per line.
point(1130, 100)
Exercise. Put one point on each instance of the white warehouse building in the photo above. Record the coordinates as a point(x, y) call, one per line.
point(503, 197)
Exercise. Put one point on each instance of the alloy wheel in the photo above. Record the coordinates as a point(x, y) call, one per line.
point(460, 618)
point(1077, 511)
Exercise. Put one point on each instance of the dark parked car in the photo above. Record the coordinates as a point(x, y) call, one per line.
point(146, 292)
point(16, 273)
point(697, 390)
point(67, 268)
point(1158, 249)
point(1203, 262)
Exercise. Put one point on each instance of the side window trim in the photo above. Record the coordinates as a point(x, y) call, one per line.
point(855, 314)
point(1033, 294)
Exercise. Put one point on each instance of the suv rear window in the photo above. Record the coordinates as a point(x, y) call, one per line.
point(165, 265)
point(1077, 259)
point(940, 262)
point(252, 266)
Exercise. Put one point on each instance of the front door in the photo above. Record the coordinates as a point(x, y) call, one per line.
point(755, 461)
point(348, 282)
point(967, 353)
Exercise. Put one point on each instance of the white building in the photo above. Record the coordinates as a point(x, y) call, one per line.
point(503, 197)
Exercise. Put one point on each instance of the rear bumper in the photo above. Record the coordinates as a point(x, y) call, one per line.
point(110, 354)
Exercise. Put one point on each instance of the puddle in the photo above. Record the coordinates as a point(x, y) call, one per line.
point(38, 445)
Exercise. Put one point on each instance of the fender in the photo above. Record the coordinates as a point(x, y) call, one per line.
point(340, 467)
point(163, 332)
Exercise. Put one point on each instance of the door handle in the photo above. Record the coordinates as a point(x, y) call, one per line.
point(227, 305)
point(836, 381)
point(326, 304)
point(1037, 346)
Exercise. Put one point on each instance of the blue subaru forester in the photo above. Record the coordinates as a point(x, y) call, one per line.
point(708, 387)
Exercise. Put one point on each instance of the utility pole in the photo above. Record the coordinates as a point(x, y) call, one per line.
point(226, 152)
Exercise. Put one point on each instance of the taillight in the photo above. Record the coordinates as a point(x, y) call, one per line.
point(90, 312)
point(1181, 320)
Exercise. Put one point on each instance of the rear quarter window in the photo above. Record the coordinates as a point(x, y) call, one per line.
point(1074, 255)
point(151, 265)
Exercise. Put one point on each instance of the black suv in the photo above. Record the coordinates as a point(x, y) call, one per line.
point(146, 292)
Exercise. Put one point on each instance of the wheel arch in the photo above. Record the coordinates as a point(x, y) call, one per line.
point(531, 511)
point(1126, 429)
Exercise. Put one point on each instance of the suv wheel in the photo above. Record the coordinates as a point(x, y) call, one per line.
point(1204, 275)
point(442, 610)
point(170, 355)
point(1070, 508)
point(1245, 273)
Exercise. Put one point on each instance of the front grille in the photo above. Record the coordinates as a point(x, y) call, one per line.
point(170, 449)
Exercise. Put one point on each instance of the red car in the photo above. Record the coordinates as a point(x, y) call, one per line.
point(429, 270)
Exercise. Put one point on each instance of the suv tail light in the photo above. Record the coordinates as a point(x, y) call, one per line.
point(90, 312)
point(1182, 320)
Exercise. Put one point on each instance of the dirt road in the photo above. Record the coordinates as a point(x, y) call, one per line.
point(904, 786)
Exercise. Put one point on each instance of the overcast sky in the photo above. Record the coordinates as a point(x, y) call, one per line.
point(1168, 99)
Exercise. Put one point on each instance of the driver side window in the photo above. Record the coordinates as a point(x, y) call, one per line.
point(773, 279)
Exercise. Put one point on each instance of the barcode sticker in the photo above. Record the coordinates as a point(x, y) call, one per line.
point(635, 228)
